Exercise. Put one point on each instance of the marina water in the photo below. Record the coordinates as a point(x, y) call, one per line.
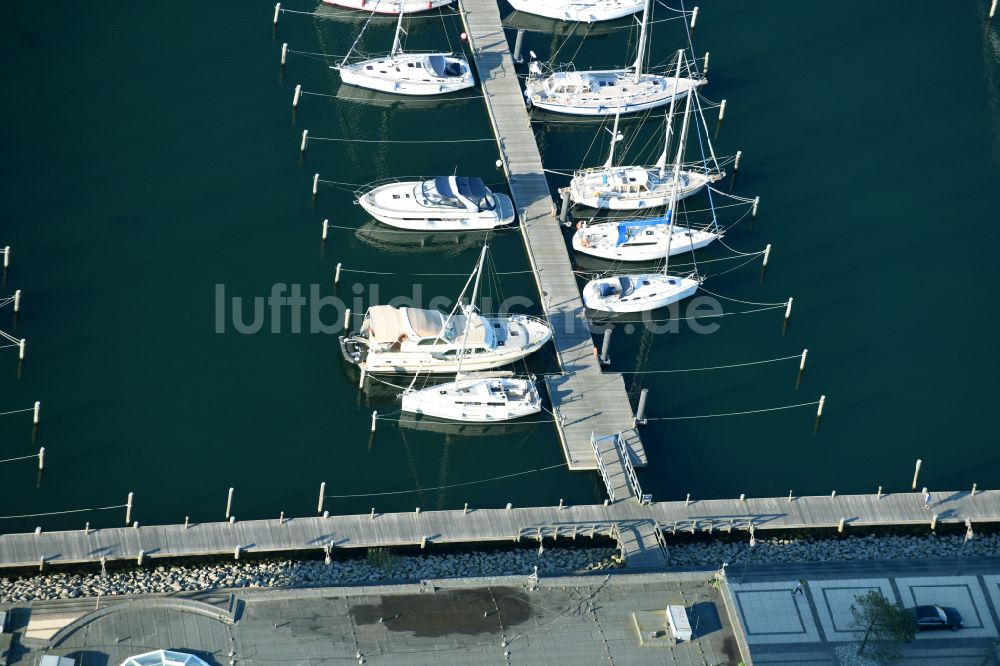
point(151, 155)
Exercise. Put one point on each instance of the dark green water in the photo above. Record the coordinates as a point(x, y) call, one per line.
point(150, 153)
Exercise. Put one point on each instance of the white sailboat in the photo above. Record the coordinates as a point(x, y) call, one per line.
point(640, 240)
point(646, 239)
point(390, 6)
point(444, 203)
point(478, 400)
point(603, 92)
point(408, 340)
point(586, 11)
point(494, 397)
point(635, 187)
point(645, 291)
point(638, 293)
point(417, 74)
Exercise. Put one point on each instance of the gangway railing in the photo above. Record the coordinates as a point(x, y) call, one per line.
point(633, 480)
point(600, 466)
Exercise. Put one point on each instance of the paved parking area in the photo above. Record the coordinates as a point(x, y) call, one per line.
point(569, 621)
point(786, 628)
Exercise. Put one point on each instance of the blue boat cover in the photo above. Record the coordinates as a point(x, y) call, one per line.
point(470, 188)
point(626, 229)
point(437, 64)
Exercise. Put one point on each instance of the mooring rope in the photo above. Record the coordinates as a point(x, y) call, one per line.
point(453, 485)
point(18, 411)
point(33, 455)
point(58, 513)
point(736, 300)
point(751, 411)
point(367, 99)
point(407, 141)
point(355, 270)
point(714, 367)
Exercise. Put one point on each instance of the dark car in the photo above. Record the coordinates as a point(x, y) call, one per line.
point(937, 617)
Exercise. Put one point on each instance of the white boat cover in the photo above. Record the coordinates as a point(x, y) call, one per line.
point(386, 323)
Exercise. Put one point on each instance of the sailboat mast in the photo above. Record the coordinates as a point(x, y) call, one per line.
point(458, 303)
point(397, 47)
point(343, 63)
point(676, 179)
point(472, 303)
point(614, 137)
point(642, 42)
point(479, 276)
point(662, 162)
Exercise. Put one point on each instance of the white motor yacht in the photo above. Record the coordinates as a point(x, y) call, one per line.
point(445, 203)
point(586, 11)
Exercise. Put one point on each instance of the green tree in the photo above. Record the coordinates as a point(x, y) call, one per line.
point(884, 624)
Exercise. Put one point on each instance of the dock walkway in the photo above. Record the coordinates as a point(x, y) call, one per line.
point(586, 400)
point(632, 523)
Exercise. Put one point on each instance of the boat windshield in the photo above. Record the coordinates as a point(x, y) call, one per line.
point(487, 203)
point(430, 190)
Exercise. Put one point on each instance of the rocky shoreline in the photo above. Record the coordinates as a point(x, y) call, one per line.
point(870, 547)
point(379, 566)
point(383, 565)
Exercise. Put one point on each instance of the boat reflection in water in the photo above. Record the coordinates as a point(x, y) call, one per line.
point(396, 241)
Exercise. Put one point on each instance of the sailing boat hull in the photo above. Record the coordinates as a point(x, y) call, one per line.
point(604, 93)
point(606, 189)
point(651, 244)
point(637, 293)
point(390, 6)
point(485, 400)
point(409, 74)
point(586, 11)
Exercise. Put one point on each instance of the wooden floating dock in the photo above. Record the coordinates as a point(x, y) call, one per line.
point(586, 400)
point(628, 522)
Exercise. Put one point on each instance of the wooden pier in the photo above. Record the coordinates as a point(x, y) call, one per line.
point(628, 522)
point(586, 400)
